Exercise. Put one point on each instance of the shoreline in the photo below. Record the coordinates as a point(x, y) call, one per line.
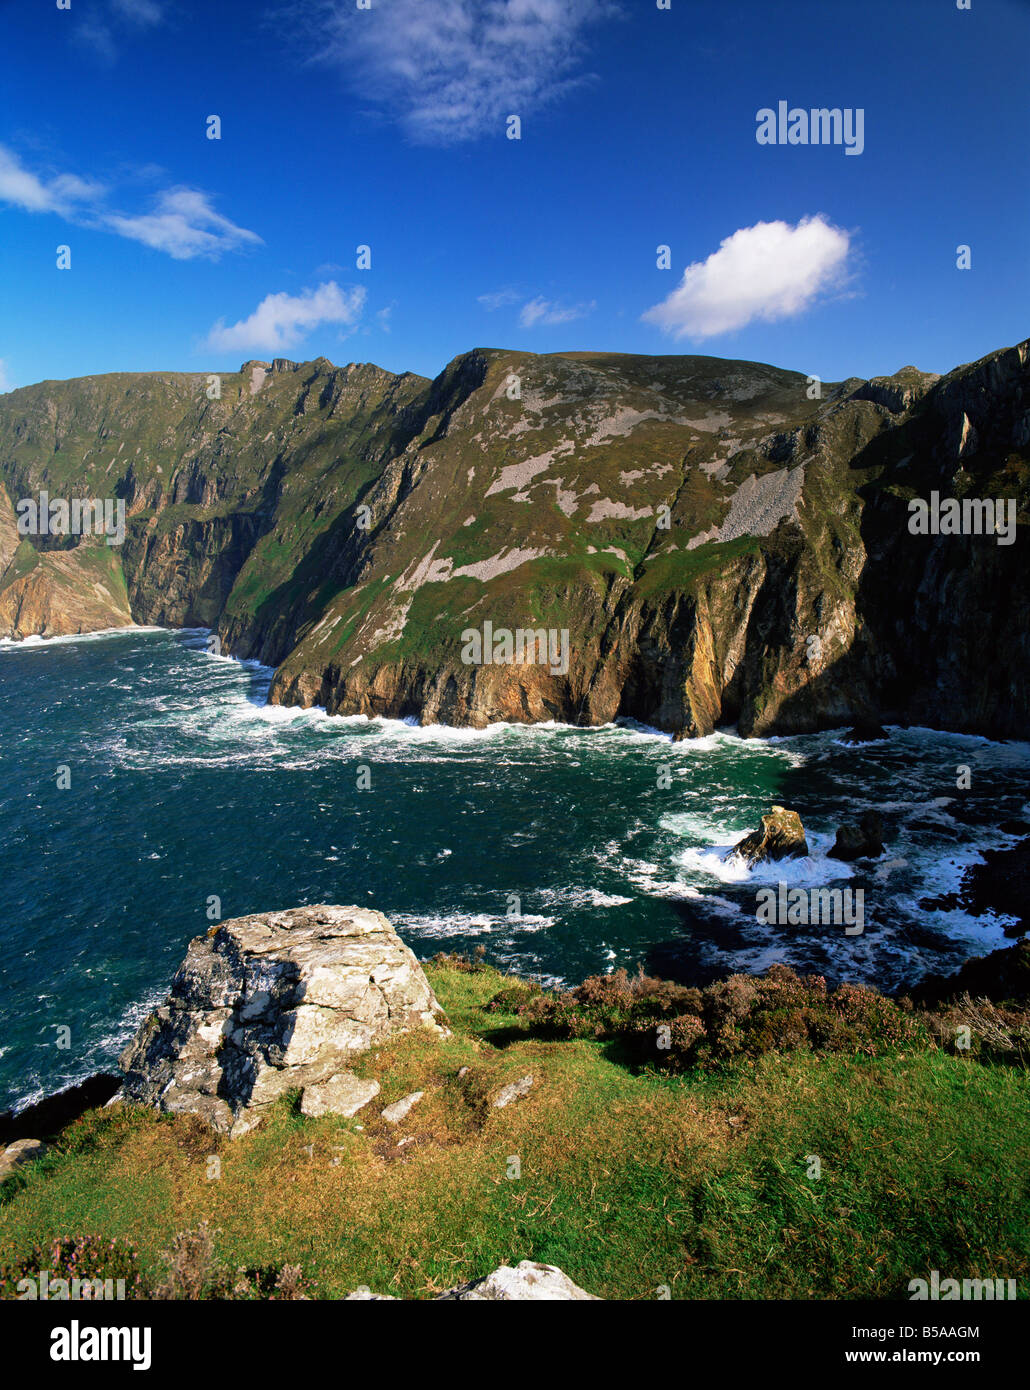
point(252, 664)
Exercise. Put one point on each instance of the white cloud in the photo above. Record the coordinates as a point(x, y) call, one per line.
point(499, 299)
point(281, 321)
point(60, 193)
point(185, 225)
point(545, 311)
point(451, 70)
point(769, 271)
point(6, 384)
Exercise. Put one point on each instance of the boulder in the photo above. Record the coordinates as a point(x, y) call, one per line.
point(274, 1002)
point(21, 1151)
point(861, 841)
point(781, 836)
point(527, 1282)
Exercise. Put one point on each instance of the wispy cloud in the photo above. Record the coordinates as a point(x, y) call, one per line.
point(60, 193)
point(6, 384)
point(545, 311)
point(102, 30)
point(766, 272)
point(450, 70)
point(499, 299)
point(537, 310)
point(185, 225)
point(281, 321)
point(182, 222)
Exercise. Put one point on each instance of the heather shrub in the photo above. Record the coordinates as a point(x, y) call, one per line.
point(678, 1026)
point(460, 961)
point(83, 1258)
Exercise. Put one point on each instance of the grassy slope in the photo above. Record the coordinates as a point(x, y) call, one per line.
point(628, 1182)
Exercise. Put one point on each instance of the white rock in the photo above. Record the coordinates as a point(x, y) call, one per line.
point(515, 1091)
point(21, 1151)
point(527, 1282)
point(393, 1114)
point(344, 1094)
point(273, 1002)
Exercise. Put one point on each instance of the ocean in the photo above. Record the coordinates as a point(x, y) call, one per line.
point(563, 852)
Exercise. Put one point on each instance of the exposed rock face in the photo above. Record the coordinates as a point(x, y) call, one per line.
point(55, 593)
point(528, 1282)
point(781, 836)
point(275, 1001)
point(861, 841)
point(719, 547)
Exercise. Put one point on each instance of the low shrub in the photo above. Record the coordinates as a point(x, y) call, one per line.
point(678, 1026)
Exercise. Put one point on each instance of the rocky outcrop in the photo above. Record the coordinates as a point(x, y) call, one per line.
point(780, 836)
point(1001, 884)
point(527, 1282)
point(861, 841)
point(1001, 976)
point(343, 1094)
point(866, 731)
point(57, 593)
point(275, 1002)
point(21, 1151)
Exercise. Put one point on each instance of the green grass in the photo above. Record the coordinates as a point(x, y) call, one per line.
point(629, 1181)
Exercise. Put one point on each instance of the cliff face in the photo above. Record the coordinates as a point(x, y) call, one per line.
point(699, 541)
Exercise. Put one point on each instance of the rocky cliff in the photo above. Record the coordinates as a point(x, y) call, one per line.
point(683, 540)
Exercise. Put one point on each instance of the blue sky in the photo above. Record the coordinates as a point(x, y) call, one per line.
point(386, 127)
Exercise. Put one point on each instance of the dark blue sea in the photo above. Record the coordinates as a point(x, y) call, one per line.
point(559, 850)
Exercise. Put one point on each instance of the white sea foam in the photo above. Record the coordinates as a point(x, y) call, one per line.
point(36, 643)
point(442, 925)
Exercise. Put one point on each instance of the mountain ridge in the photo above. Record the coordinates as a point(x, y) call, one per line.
point(723, 541)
